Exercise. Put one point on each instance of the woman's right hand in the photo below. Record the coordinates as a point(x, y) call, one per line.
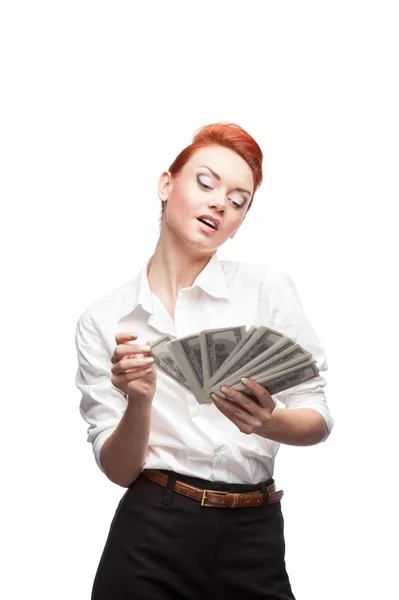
point(130, 362)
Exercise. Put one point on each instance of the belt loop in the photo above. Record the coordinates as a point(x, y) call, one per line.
point(168, 493)
point(265, 496)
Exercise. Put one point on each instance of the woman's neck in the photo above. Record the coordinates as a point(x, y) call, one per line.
point(170, 270)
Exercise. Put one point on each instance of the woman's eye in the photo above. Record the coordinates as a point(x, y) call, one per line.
point(208, 187)
point(237, 204)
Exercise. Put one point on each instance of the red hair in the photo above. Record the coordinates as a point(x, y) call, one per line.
point(230, 136)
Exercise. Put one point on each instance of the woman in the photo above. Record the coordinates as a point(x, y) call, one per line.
point(186, 526)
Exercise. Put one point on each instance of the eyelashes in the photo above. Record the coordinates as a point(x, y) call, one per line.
point(208, 187)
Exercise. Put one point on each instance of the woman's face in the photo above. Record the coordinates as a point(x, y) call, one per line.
point(216, 182)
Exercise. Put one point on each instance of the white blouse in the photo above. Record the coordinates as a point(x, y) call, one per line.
point(187, 437)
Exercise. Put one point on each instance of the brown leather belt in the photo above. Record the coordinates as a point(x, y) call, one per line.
point(215, 497)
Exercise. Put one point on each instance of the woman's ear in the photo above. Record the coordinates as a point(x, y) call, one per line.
point(163, 185)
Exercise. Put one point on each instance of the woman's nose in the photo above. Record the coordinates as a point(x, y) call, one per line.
point(218, 202)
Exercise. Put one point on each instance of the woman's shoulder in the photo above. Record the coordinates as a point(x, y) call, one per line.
point(110, 304)
point(266, 272)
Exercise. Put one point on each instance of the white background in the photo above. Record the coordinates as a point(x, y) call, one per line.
point(97, 99)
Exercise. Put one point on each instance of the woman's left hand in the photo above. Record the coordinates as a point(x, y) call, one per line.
point(249, 415)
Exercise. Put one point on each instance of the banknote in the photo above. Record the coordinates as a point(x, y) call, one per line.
point(249, 333)
point(280, 355)
point(165, 361)
point(217, 345)
point(282, 380)
point(187, 353)
point(261, 340)
point(203, 361)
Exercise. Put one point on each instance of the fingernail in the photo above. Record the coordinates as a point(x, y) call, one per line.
point(214, 397)
point(245, 379)
point(224, 390)
point(144, 348)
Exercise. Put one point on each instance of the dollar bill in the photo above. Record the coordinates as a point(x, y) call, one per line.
point(217, 345)
point(166, 362)
point(187, 353)
point(244, 340)
point(280, 355)
point(203, 361)
point(283, 380)
point(261, 341)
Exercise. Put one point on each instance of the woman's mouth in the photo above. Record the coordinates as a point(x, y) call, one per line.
point(206, 227)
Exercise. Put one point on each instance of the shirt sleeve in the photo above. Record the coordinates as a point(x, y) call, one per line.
point(102, 404)
point(288, 317)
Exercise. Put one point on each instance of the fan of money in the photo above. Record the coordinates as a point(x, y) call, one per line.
point(203, 361)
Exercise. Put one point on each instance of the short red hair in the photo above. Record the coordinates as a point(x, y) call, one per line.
point(230, 136)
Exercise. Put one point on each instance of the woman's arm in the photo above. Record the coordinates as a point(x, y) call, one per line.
point(297, 422)
point(306, 418)
point(299, 427)
point(302, 426)
point(124, 452)
point(118, 426)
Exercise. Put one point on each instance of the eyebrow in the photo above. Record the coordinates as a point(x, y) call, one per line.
point(239, 189)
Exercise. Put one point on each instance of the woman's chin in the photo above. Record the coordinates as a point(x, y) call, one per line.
point(196, 236)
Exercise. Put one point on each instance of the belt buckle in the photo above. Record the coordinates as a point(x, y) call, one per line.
point(204, 492)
